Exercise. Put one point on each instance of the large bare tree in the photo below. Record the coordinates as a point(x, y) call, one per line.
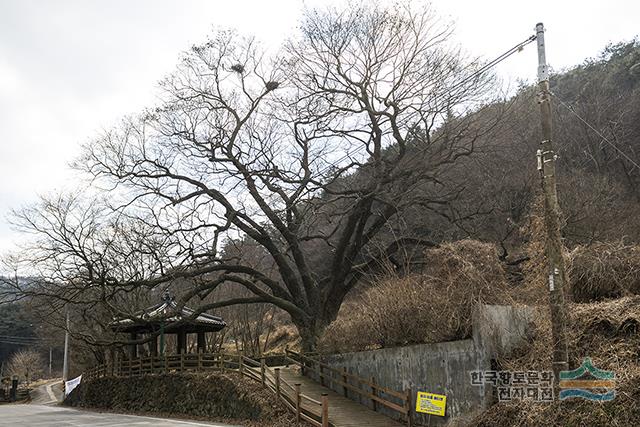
point(306, 155)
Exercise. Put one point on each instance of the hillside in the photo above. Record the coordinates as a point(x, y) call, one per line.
point(230, 398)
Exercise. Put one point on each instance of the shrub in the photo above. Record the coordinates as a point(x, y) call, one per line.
point(604, 270)
point(27, 365)
point(431, 307)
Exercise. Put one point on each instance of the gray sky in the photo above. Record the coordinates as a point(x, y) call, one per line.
point(69, 68)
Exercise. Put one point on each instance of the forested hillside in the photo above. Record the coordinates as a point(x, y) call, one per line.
point(492, 197)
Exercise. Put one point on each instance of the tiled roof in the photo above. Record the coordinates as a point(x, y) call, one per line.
point(167, 312)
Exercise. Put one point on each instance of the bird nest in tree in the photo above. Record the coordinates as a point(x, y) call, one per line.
point(238, 68)
point(272, 85)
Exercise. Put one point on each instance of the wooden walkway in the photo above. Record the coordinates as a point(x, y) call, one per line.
point(343, 412)
point(309, 400)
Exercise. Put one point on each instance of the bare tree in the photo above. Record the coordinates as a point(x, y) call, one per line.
point(308, 155)
point(27, 365)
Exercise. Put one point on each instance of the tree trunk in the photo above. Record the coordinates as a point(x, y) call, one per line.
point(310, 332)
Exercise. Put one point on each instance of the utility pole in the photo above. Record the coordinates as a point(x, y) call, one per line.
point(65, 360)
point(547, 167)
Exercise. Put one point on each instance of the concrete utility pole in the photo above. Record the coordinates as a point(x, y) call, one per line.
point(65, 360)
point(547, 167)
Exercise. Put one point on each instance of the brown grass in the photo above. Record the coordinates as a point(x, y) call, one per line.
point(604, 270)
point(607, 332)
point(229, 398)
point(432, 307)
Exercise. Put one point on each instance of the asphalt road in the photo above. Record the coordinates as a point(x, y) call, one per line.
point(57, 416)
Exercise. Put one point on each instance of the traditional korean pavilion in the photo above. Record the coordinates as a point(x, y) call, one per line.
point(167, 318)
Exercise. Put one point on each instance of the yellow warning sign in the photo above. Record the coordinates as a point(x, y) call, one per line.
point(431, 403)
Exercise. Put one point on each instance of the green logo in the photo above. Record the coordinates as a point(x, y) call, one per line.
point(588, 382)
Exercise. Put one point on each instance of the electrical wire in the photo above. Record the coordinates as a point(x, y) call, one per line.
point(496, 61)
point(486, 67)
point(597, 132)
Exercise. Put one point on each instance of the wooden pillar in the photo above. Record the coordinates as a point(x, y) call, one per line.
point(182, 342)
point(112, 358)
point(153, 346)
point(133, 350)
point(298, 402)
point(202, 343)
point(325, 410)
point(409, 407)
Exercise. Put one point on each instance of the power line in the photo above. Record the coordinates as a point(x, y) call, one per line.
point(496, 61)
point(20, 337)
point(21, 342)
point(597, 132)
point(486, 67)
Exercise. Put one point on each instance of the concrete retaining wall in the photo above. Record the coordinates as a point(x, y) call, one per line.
point(442, 368)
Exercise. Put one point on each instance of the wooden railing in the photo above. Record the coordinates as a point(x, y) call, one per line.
point(367, 388)
point(304, 407)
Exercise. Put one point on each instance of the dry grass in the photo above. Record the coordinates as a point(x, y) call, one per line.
point(607, 332)
point(595, 272)
point(432, 307)
point(604, 270)
point(228, 398)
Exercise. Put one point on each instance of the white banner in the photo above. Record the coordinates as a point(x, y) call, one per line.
point(71, 384)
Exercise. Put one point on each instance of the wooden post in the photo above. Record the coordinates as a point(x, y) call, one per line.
point(181, 362)
point(153, 346)
point(325, 410)
point(344, 381)
point(166, 364)
point(263, 365)
point(409, 407)
point(374, 393)
point(182, 342)
point(201, 342)
point(134, 347)
point(298, 401)
point(112, 357)
point(199, 368)
point(321, 374)
point(277, 371)
point(240, 361)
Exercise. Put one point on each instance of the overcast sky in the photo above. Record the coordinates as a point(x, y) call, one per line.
point(69, 68)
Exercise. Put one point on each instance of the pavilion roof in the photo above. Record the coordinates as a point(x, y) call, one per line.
point(168, 314)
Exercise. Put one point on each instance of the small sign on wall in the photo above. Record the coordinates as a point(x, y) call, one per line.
point(431, 403)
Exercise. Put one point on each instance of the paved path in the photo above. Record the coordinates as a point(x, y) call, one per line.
point(343, 412)
point(47, 394)
point(57, 416)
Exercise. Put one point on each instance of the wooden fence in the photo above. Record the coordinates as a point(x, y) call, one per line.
point(304, 407)
point(328, 376)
